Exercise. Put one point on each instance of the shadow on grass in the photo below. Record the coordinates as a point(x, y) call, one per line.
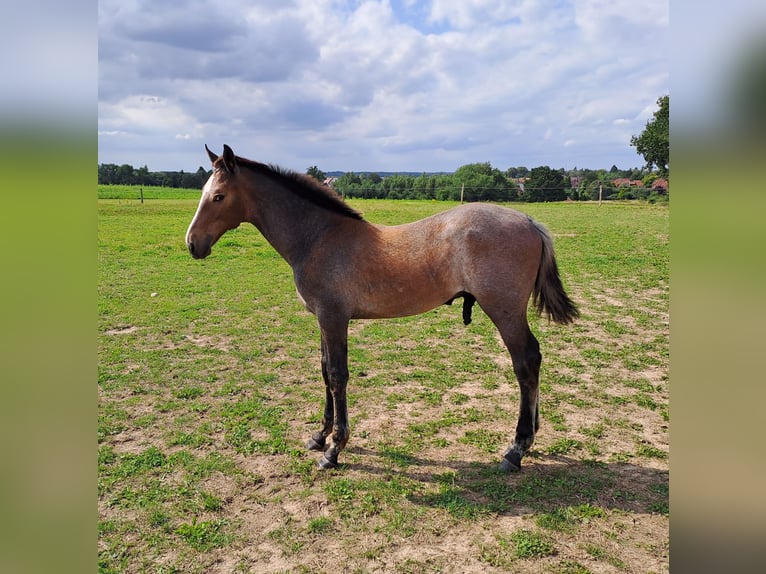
point(546, 482)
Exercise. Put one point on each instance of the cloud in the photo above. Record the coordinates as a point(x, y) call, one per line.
point(201, 27)
point(381, 84)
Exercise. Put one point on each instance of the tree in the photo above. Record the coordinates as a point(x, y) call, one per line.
point(141, 175)
point(349, 185)
point(125, 174)
point(513, 172)
point(424, 187)
point(653, 143)
point(371, 179)
point(107, 173)
point(483, 183)
point(545, 184)
point(316, 173)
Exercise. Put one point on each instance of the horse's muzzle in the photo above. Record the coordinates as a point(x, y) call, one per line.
point(197, 251)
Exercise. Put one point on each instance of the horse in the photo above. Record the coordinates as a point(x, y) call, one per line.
point(346, 267)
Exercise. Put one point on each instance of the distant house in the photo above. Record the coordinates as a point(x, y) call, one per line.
point(520, 181)
point(574, 181)
point(660, 184)
point(626, 182)
point(329, 181)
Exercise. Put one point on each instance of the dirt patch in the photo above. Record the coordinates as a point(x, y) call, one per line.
point(121, 330)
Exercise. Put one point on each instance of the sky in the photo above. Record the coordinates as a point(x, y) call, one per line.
point(390, 85)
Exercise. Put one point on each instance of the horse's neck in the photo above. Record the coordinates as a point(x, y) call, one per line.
point(292, 225)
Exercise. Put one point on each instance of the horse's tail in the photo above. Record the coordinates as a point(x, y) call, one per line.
point(548, 294)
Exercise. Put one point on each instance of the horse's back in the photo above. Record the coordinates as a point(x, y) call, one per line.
point(464, 223)
point(492, 232)
point(489, 219)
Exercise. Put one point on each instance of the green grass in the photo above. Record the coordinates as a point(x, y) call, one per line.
point(505, 552)
point(209, 382)
point(531, 544)
point(205, 535)
point(134, 192)
point(569, 518)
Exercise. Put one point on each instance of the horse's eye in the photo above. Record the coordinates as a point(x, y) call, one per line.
point(218, 197)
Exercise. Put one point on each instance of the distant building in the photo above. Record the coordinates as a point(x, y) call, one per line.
point(626, 182)
point(660, 184)
point(329, 181)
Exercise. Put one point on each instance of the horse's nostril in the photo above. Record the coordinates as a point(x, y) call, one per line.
point(191, 247)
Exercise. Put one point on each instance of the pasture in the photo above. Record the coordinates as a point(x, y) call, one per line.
point(209, 384)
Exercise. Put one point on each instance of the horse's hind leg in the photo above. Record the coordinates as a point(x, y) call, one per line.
point(525, 354)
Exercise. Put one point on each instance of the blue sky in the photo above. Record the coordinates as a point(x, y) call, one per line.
point(380, 85)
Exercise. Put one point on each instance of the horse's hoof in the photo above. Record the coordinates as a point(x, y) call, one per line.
point(511, 462)
point(326, 464)
point(311, 444)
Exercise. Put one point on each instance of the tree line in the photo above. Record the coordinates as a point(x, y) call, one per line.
point(471, 182)
point(125, 174)
point(482, 182)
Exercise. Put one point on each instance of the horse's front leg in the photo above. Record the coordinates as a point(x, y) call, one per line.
point(319, 438)
point(335, 373)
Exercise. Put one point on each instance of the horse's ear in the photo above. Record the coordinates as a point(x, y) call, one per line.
point(229, 159)
point(210, 154)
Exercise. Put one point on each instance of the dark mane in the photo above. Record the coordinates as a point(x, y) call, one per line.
point(304, 186)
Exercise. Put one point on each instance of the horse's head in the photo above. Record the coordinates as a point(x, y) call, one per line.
point(221, 206)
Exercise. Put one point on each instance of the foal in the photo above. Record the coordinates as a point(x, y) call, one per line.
point(348, 268)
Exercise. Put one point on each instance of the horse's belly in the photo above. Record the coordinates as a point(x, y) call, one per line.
point(385, 302)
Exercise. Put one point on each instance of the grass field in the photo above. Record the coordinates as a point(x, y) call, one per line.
point(209, 383)
point(132, 192)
